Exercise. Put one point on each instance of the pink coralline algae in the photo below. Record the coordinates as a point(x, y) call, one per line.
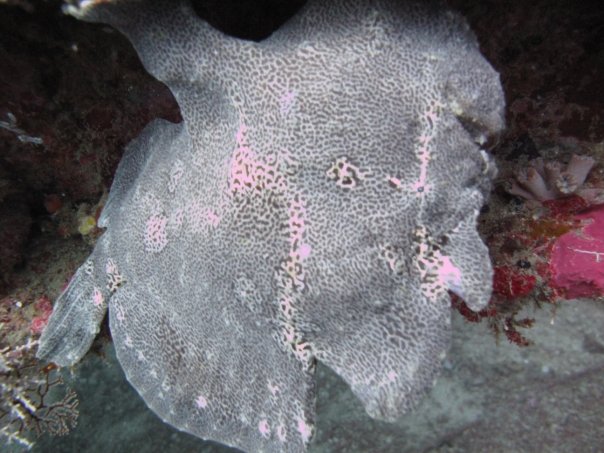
point(38, 323)
point(577, 259)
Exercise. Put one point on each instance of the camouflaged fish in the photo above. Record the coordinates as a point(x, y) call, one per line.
point(317, 203)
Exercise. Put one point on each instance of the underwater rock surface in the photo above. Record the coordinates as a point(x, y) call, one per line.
point(317, 203)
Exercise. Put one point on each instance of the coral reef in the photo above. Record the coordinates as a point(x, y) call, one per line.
point(574, 207)
point(550, 155)
point(571, 209)
point(549, 247)
point(543, 181)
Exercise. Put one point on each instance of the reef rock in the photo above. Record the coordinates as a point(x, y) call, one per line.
point(317, 203)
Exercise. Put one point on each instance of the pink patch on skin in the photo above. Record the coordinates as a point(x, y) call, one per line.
point(577, 259)
point(274, 389)
point(304, 251)
point(248, 172)
point(295, 223)
point(300, 347)
point(394, 181)
point(304, 430)
point(213, 219)
point(286, 306)
point(424, 139)
point(423, 153)
point(242, 166)
point(155, 238)
point(201, 402)
point(110, 267)
point(264, 428)
point(287, 101)
point(449, 275)
point(420, 187)
point(423, 170)
point(289, 335)
point(391, 376)
point(97, 297)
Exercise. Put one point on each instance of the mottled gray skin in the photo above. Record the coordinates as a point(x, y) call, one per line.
point(317, 203)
